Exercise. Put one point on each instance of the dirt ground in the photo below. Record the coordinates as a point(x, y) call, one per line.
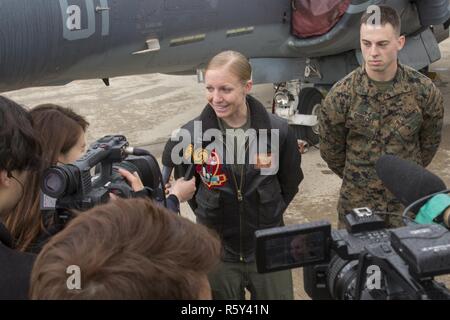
point(147, 108)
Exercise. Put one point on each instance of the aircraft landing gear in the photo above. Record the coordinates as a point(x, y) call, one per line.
point(309, 101)
point(300, 105)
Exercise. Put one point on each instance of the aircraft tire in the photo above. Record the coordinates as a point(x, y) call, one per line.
point(309, 101)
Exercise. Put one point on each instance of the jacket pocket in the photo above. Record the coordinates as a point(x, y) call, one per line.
point(360, 126)
point(408, 127)
point(209, 209)
point(361, 137)
point(271, 204)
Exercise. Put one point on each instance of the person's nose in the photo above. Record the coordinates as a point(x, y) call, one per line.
point(374, 52)
point(216, 96)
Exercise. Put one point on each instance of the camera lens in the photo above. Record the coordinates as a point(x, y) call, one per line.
point(342, 275)
point(54, 182)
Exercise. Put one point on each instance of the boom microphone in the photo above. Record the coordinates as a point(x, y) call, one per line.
point(407, 181)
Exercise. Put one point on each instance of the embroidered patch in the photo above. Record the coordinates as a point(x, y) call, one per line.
point(263, 161)
point(210, 170)
point(200, 156)
point(189, 151)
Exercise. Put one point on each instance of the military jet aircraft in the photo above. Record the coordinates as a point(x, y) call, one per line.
point(302, 46)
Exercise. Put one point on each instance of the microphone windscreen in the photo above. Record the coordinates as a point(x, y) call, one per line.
point(407, 180)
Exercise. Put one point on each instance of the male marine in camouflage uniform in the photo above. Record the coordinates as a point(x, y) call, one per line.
point(383, 107)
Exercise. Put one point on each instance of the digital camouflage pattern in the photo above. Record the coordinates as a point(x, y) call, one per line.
point(358, 123)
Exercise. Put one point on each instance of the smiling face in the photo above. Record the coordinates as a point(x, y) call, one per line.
point(380, 46)
point(226, 94)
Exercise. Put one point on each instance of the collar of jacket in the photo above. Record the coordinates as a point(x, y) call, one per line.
point(365, 87)
point(5, 236)
point(258, 114)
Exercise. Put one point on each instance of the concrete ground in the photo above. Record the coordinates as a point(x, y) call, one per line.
point(147, 108)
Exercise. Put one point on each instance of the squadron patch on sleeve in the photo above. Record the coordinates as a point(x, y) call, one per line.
point(200, 156)
point(263, 161)
point(189, 151)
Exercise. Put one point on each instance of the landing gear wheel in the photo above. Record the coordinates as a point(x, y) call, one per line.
point(309, 101)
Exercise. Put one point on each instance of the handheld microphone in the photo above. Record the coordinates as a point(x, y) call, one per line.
point(167, 163)
point(166, 173)
point(189, 172)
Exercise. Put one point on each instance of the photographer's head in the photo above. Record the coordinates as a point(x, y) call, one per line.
point(19, 153)
point(127, 249)
point(62, 132)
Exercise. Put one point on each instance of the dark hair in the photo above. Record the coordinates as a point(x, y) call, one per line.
point(388, 15)
point(19, 148)
point(127, 249)
point(58, 129)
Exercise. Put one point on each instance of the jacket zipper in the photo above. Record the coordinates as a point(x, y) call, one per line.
point(240, 196)
point(240, 199)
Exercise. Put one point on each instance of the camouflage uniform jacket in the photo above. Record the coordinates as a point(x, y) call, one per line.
point(358, 124)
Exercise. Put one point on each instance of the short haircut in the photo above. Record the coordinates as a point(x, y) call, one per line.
point(19, 147)
point(127, 249)
point(388, 15)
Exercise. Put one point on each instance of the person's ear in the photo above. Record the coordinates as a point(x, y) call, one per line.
point(401, 42)
point(61, 158)
point(5, 179)
point(248, 86)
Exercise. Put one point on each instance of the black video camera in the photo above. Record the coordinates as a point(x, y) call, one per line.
point(363, 261)
point(89, 181)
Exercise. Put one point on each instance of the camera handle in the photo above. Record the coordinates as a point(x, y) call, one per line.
point(143, 152)
point(105, 171)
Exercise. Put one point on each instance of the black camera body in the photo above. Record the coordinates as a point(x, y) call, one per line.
point(89, 181)
point(363, 261)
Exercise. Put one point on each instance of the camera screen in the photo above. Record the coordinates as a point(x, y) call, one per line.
point(292, 246)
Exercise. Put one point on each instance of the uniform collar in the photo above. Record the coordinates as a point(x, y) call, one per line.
point(365, 87)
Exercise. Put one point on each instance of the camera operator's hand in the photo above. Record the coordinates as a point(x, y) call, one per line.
point(133, 179)
point(168, 185)
point(182, 189)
